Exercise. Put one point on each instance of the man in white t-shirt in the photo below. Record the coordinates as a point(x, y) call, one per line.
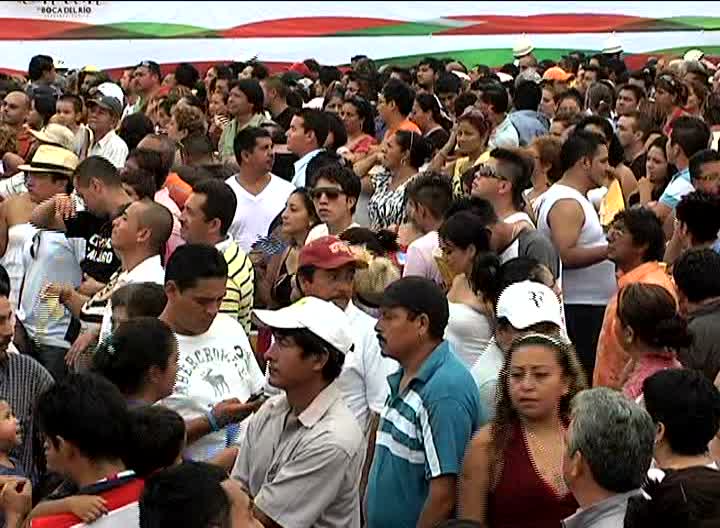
point(335, 196)
point(261, 195)
point(326, 269)
point(501, 180)
point(217, 370)
point(428, 199)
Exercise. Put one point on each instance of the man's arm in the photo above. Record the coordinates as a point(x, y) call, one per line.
point(48, 214)
point(440, 503)
point(566, 219)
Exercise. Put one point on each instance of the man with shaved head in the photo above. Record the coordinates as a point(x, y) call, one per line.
point(13, 112)
point(139, 235)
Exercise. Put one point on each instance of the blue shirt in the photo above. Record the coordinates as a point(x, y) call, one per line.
point(679, 186)
point(422, 434)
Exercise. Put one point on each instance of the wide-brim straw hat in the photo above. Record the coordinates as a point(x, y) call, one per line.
point(51, 158)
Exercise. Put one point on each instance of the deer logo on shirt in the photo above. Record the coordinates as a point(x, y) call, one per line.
point(217, 382)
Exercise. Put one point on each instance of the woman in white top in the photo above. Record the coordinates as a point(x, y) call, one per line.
point(465, 245)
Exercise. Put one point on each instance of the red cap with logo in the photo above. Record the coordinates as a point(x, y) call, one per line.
point(328, 252)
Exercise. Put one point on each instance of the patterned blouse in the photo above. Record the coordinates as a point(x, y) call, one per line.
point(387, 206)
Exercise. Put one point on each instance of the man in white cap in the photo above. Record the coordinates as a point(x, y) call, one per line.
point(523, 308)
point(523, 53)
point(301, 458)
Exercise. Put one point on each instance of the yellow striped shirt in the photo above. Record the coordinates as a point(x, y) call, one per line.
point(238, 301)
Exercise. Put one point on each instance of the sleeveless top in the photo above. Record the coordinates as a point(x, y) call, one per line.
point(468, 332)
point(522, 499)
point(18, 237)
point(591, 285)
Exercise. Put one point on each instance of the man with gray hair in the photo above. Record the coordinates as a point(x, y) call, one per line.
point(604, 426)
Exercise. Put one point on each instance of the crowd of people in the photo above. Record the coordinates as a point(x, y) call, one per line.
point(424, 296)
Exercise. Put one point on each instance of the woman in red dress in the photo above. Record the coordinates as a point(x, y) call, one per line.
point(512, 474)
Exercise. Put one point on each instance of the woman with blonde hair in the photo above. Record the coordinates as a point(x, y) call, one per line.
point(512, 473)
point(185, 120)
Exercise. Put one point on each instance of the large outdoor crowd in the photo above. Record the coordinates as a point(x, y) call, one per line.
point(362, 296)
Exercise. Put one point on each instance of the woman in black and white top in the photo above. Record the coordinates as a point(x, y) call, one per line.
point(402, 156)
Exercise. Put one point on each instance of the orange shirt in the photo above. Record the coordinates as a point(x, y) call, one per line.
point(611, 356)
point(405, 125)
point(24, 142)
point(179, 189)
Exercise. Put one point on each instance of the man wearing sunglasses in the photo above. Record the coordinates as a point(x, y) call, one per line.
point(335, 196)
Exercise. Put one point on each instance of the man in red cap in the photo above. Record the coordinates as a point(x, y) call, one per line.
point(326, 269)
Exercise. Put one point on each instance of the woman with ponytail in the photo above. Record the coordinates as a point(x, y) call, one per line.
point(650, 330)
point(141, 359)
point(465, 244)
point(434, 123)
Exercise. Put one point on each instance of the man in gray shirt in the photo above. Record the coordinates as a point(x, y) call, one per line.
point(606, 425)
point(301, 457)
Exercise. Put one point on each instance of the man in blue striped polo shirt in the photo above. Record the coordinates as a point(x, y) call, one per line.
point(430, 416)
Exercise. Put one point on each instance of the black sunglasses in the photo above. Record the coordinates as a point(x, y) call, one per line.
point(331, 192)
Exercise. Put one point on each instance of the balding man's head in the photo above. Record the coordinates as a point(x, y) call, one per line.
point(161, 144)
point(15, 108)
point(142, 223)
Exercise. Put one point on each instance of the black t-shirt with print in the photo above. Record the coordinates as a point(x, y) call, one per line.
point(100, 260)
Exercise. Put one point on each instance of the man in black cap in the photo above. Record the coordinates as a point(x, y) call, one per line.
point(104, 111)
point(430, 416)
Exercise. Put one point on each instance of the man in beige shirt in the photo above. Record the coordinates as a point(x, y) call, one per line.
point(301, 457)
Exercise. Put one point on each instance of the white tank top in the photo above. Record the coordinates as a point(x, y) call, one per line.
point(593, 285)
point(468, 332)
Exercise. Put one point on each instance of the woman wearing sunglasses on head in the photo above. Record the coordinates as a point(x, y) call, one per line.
point(469, 140)
point(670, 98)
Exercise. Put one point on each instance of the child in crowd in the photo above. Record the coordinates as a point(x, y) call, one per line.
point(140, 299)
point(159, 438)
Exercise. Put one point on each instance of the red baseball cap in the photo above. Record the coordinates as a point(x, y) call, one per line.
point(328, 252)
point(301, 68)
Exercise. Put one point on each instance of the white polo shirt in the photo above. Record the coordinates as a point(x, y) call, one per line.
point(363, 380)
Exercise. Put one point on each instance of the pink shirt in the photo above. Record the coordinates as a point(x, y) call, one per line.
point(163, 198)
point(419, 258)
point(646, 366)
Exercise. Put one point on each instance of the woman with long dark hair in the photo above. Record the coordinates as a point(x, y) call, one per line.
point(512, 474)
point(357, 115)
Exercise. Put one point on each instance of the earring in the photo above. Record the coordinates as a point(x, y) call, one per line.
point(403, 162)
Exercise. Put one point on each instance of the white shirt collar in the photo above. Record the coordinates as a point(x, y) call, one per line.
point(103, 141)
point(145, 269)
point(224, 244)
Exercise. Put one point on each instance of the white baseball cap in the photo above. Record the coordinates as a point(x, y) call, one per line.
point(528, 303)
point(322, 318)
